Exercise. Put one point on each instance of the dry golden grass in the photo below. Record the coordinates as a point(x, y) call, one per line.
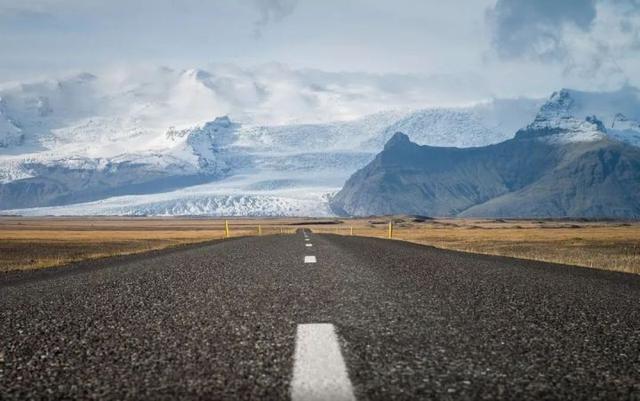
point(603, 245)
point(29, 243)
point(36, 243)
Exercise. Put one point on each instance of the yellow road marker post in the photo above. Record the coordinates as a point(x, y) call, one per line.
point(390, 230)
point(226, 228)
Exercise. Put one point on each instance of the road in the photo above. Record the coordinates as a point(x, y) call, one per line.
point(376, 319)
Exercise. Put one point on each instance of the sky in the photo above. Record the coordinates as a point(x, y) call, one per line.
point(478, 48)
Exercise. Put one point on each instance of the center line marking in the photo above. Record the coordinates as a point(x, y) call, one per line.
point(319, 372)
point(308, 245)
point(307, 239)
point(309, 259)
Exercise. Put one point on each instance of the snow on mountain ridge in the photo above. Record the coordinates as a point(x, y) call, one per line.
point(604, 105)
point(556, 124)
point(575, 116)
point(207, 142)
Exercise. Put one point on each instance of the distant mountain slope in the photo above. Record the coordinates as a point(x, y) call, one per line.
point(559, 166)
point(599, 179)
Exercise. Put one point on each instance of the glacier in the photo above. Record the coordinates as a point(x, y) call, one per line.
point(287, 170)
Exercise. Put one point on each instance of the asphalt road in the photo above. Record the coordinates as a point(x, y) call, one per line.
point(219, 322)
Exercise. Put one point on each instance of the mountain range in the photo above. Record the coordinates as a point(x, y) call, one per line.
point(84, 150)
point(78, 146)
point(558, 166)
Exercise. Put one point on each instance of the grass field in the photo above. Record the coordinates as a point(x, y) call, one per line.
point(602, 245)
point(27, 243)
point(31, 243)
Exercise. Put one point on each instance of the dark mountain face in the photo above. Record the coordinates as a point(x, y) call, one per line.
point(536, 174)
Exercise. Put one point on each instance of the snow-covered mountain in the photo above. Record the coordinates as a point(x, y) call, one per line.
point(592, 115)
point(220, 167)
point(565, 163)
point(82, 145)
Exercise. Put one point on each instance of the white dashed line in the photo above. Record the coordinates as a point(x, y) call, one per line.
point(307, 239)
point(309, 259)
point(319, 372)
point(308, 245)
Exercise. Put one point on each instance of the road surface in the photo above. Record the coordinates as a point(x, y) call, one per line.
point(345, 318)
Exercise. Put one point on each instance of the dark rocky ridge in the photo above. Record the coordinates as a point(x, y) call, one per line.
point(531, 175)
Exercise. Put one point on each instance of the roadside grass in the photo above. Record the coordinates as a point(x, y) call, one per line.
point(33, 243)
point(27, 244)
point(602, 245)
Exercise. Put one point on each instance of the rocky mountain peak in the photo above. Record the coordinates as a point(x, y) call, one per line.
point(557, 121)
point(398, 139)
point(554, 112)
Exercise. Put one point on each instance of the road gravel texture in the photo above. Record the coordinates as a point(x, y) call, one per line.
point(218, 321)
